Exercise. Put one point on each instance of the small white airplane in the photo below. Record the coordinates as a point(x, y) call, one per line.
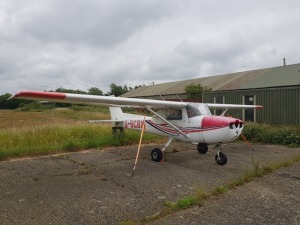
point(184, 121)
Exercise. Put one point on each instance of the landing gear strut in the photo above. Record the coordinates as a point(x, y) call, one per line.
point(118, 132)
point(220, 157)
point(157, 154)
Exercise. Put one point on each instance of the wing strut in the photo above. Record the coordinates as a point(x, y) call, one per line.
point(166, 121)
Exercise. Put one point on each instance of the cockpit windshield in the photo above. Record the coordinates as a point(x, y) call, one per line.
point(192, 111)
point(204, 110)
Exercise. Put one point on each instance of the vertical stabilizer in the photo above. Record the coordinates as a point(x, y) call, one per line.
point(116, 113)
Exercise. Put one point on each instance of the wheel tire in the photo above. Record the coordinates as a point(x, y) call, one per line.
point(222, 159)
point(202, 148)
point(156, 155)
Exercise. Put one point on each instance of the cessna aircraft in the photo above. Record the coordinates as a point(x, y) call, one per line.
point(184, 121)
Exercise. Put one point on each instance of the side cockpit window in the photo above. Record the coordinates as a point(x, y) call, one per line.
point(175, 114)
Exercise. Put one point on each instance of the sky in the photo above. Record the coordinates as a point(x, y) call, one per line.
point(79, 44)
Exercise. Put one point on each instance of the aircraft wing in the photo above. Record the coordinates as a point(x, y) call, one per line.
point(88, 99)
point(232, 106)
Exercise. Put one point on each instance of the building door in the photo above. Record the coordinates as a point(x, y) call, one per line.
point(249, 113)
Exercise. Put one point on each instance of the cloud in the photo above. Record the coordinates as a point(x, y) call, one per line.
point(79, 44)
point(98, 23)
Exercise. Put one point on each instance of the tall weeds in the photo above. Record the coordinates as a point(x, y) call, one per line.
point(58, 138)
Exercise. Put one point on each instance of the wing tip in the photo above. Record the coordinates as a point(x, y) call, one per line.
point(39, 94)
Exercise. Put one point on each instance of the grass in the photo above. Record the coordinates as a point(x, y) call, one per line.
point(80, 114)
point(188, 201)
point(63, 138)
point(58, 130)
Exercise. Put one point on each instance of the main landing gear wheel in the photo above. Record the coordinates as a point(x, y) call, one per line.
point(221, 158)
point(156, 155)
point(202, 148)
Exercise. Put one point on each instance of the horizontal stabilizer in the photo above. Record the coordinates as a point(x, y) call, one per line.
point(105, 121)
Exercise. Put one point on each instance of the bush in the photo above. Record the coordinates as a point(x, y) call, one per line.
point(34, 107)
point(281, 135)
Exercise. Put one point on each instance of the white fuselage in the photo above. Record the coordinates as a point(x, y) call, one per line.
point(207, 129)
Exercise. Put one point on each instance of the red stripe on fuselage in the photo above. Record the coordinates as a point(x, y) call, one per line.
point(41, 94)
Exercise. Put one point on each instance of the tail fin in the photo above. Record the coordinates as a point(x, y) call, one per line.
point(116, 113)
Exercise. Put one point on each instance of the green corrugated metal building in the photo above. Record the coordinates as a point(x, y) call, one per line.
point(277, 89)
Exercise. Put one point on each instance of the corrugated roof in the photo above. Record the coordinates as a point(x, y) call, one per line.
point(276, 77)
point(262, 78)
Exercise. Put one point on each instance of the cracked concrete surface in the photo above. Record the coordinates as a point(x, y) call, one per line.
point(95, 187)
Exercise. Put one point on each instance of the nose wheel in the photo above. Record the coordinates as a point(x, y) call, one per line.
point(156, 155)
point(220, 157)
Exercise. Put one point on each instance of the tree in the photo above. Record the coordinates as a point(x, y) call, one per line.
point(138, 86)
point(63, 90)
point(117, 90)
point(94, 91)
point(3, 101)
point(11, 103)
point(195, 91)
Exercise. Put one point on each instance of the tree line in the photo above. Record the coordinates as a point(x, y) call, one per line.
point(115, 90)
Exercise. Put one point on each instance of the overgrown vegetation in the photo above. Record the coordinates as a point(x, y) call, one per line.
point(57, 130)
point(34, 106)
point(63, 138)
point(267, 134)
